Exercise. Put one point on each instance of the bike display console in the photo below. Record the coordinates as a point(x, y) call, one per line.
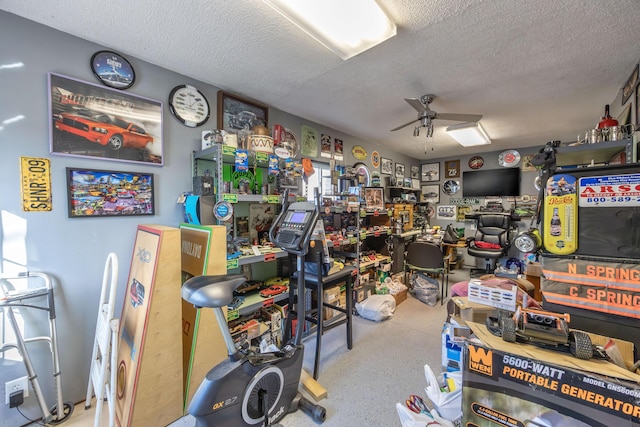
point(295, 226)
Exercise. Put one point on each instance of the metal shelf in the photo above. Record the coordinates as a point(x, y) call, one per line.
point(601, 152)
point(254, 301)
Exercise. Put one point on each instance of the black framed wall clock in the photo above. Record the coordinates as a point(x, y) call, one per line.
point(112, 69)
point(189, 105)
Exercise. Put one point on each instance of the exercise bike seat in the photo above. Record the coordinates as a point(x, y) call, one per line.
point(211, 291)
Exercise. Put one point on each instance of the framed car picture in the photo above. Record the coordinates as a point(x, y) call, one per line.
point(430, 172)
point(101, 193)
point(430, 193)
point(386, 166)
point(399, 171)
point(239, 113)
point(89, 120)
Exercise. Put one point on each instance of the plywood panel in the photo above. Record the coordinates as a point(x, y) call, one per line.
point(203, 250)
point(149, 389)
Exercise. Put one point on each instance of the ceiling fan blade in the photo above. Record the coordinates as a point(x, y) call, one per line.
point(459, 117)
point(416, 104)
point(404, 125)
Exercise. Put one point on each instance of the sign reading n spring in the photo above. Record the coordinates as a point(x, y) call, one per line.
point(36, 184)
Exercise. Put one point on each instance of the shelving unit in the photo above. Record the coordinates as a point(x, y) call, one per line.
point(220, 160)
point(599, 153)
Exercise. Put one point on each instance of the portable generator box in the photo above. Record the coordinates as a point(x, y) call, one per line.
point(503, 388)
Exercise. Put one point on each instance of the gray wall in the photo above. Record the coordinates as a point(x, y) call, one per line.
point(74, 251)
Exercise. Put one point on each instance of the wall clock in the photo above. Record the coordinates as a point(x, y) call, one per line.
point(112, 69)
point(508, 158)
point(476, 162)
point(189, 105)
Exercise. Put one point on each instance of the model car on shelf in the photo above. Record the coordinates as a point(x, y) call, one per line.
point(283, 281)
point(235, 303)
point(274, 290)
point(544, 328)
point(104, 129)
point(248, 287)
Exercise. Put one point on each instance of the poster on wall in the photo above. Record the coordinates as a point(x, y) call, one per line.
point(337, 149)
point(89, 120)
point(261, 216)
point(309, 141)
point(325, 145)
point(446, 212)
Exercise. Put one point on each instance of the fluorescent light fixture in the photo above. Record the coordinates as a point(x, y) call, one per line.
point(346, 27)
point(469, 134)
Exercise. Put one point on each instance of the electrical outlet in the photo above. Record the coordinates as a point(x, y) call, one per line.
point(16, 385)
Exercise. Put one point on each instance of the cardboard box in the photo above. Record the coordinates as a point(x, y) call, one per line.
point(359, 294)
point(464, 311)
point(399, 297)
point(399, 277)
point(523, 384)
point(331, 296)
point(534, 269)
point(495, 297)
point(510, 389)
point(273, 315)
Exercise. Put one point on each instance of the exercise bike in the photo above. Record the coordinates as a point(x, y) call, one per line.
point(250, 388)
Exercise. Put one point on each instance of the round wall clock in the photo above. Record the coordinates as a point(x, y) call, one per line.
point(508, 158)
point(112, 69)
point(476, 162)
point(189, 105)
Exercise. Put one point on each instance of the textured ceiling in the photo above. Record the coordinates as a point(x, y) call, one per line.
point(536, 70)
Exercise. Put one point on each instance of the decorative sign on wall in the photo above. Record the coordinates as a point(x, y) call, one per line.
point(309, 141)
point(36, 184)
point(359, 152)
point(375, 159)
point(325, 145)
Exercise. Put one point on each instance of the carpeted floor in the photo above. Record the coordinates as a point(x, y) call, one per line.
point(385, 365)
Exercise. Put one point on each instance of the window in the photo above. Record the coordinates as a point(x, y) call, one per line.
point(320, 179)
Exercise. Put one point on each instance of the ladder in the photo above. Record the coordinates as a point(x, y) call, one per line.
point(102, 376)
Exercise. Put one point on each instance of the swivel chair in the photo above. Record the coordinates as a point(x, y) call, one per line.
point(491, 241)
point(428, 258)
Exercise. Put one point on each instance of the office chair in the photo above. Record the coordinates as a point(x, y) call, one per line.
point(428, 258)
point(491, 241)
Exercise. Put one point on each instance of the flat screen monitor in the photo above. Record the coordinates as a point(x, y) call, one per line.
point(491, 182)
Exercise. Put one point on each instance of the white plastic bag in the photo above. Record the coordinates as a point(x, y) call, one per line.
point(377, 307)
point(409, 418)
point(448, 404)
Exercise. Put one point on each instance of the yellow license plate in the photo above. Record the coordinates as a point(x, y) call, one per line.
point(36, 184)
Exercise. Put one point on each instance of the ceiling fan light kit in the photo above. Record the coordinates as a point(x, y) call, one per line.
point(347, 28)
point(469, 134)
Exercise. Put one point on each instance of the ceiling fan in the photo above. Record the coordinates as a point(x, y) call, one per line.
point(426, 115)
